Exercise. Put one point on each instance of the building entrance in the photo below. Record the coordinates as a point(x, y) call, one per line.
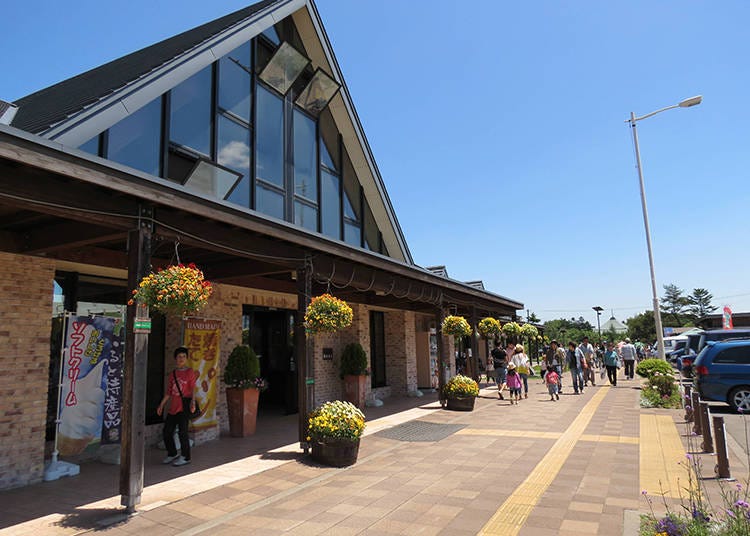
point(270, 333)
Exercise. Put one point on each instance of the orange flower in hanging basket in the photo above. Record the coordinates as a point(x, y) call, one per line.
point(176, 290)
point(327, 314)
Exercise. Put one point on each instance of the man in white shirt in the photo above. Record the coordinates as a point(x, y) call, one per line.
point(588, 351)
point(629, 355)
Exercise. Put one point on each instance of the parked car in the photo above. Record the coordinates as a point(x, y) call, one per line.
point(675, 356)
point(722, 373)
point(696, 342)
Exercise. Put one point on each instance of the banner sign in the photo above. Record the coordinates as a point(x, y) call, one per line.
point(202, 338)
point(726, 318)
point(89, 346)
point(113, 390)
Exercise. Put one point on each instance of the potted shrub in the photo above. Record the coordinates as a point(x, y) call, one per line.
point(244, 384)
point(176, 290)
point(334, 429)
point(461, 392)
point(353, 370)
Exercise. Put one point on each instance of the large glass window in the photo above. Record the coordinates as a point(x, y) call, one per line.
point(235, 82)
point(190, 117)
point(306, 215)
point(372, 234)
point(91, 146)
point(233, 151)
point(136, 140)
point(330, 204)
point(269, 165)
point(352, 206)
point(269, 201)
point(305, 158)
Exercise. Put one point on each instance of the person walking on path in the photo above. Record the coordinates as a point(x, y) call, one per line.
point(576, 362)
point(555, 358)
point(551, 379)
point(500, 362)
point(588, 352)
point(523, 367)
point(611, 361)
point(514, 383)
point(629, 355)
point(181, 386)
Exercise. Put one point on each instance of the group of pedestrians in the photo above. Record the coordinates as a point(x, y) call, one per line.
point(512, 371)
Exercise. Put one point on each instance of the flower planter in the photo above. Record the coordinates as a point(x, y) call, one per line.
point(463, 403)
point(335, 452)
point(354, 389)
point(242, 406)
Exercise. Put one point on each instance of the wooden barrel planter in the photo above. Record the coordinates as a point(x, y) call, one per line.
point(335, 452)
point(463, 403)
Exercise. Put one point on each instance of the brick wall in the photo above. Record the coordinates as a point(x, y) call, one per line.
point(26, 311)
point(400, 352)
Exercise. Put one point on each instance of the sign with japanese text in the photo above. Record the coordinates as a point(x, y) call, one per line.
point(202, 339)
point(87, 383)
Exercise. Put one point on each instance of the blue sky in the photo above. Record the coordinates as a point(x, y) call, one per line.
point(498, 128)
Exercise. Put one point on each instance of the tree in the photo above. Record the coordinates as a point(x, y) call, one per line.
point(642, 327)
point(674, 304)
point(533, 319)
point(700, 303)
point(564, 330)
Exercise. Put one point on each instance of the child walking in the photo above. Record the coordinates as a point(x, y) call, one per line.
point(552, 379)
point(514, 383)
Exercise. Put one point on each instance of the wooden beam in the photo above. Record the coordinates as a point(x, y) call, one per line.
point(69, 235)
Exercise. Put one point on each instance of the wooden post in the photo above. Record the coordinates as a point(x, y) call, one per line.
point(722, 458)
point(708, 441)
point(697, 428)
point(303, 355)
point(440, 352)
point(474, 345)
point(134, 375)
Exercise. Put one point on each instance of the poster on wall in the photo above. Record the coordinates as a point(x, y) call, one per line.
point(90, 344)
point(202, 339)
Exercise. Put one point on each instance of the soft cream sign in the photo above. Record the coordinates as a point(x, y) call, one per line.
point(88, 344)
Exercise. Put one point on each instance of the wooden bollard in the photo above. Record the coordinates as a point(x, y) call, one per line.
point(697, 429)
point(708, 441)
point(722, 458)
point(688, 402)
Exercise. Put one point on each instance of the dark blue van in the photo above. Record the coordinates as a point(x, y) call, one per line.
point(722, 373)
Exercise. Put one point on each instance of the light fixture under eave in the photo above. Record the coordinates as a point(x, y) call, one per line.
point(283, 68)
point(212, 180)
point(318, 93)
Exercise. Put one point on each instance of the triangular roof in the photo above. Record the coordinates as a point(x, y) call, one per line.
point(73, 111)
point(614, 324)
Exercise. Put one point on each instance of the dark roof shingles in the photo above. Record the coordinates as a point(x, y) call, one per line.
point(49, 106)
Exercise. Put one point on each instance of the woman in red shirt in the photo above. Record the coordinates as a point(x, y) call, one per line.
point(176, 415)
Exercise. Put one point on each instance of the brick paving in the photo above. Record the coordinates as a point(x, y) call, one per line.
point(536, 468)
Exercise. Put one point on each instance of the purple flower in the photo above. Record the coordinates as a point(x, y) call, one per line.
point(689, 408)
point(739, 487)
point(740, 410)
point(742, 504)
point(731, 514)
point(644, 492)
point(689, 456)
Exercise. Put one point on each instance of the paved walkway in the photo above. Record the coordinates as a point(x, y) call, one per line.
point(573, 466)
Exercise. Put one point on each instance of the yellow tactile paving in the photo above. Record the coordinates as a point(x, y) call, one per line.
point(662, 457)
point(609, 439)
point(514, 512)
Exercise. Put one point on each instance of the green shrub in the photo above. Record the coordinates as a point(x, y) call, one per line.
point(243, 368)
point(353, 360)
point(663, 383)
point(648, 367)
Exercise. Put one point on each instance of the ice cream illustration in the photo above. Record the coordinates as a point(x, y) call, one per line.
point(81, 422)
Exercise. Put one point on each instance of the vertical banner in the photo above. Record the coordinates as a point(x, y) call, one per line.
point(726, 318)
point(86, 352)
point(202, 340)
point(113, 386)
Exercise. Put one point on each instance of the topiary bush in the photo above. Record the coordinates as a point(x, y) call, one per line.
point(243, 368)
point(648, 367)
point(353, 360)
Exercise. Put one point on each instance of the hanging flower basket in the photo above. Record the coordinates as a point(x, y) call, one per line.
point(327, 314)
point(529, 332)
point(177, 290)
point(457, 326)
point(488, 327)
point(511, 329)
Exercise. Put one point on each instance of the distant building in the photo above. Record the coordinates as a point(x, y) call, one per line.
point(614, 325)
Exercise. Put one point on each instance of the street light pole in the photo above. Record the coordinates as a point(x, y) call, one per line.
point(598, 325)
point(693, 101)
